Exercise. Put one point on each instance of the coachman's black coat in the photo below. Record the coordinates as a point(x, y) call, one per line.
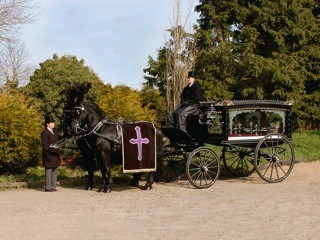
point(50, 156)
point(192, 95)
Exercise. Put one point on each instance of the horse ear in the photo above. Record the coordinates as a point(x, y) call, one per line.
point(86, 87)
point(68, 90)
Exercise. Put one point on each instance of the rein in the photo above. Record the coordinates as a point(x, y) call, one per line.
point(94, 130)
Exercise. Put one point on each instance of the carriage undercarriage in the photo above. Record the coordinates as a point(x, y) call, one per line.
point(248, 144)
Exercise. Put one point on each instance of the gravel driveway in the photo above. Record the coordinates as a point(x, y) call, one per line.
point(232, 208)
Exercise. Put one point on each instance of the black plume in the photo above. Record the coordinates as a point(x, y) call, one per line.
point(75, 92)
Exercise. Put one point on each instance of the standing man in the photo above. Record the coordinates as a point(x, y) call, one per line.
point(190, 97)
point(50, 156)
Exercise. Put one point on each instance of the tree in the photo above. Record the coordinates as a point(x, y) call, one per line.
point(152, 99)
point(14, 14)
point(181, 56)
point(216, 65)
point(123, 103)
point(271, 49)
point(155, 73)
point(13, 68)
point(169, 72)
point(20, 126)
point(56, 74)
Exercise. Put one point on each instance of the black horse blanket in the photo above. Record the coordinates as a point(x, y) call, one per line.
point(138, 147)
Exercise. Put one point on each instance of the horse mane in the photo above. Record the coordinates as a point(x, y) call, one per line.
point(100, 112)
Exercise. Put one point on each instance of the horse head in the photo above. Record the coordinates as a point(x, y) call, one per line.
point(76, 120)
point(75, 114)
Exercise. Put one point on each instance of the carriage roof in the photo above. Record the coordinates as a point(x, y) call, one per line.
point(247, 103)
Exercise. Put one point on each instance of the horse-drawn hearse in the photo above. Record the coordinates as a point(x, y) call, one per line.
point(255, 136)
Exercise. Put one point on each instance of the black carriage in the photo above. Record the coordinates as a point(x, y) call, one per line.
point(255, 135)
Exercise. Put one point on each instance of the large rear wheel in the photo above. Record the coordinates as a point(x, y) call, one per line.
point(274, 158)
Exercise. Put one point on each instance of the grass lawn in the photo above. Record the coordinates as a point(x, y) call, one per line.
point(307, 145)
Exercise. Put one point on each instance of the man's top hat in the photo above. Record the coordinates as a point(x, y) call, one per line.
point(191, 74)
point(48, 119)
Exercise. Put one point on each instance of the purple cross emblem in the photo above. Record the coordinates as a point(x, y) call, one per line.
point(139, 141)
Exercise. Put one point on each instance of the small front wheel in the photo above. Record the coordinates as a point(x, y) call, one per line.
point(172, 165)
point(202, 167)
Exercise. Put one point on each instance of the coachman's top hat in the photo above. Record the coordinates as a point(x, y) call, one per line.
point(191, 74)
point(48, 119)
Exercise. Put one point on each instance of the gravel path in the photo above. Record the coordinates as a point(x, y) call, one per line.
point(232, 209)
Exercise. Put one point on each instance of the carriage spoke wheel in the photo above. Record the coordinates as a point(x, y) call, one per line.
point(202, 167)
point(172, 166)
point(274, 158)
point(238, 160)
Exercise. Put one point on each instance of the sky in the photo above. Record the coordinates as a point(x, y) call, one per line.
point(114, 38)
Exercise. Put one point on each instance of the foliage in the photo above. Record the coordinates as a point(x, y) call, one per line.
point(20, 127)
point(151, 99)
point(123, 103)
point(56, 74)
point(265, 49)
point(270, 51)
point(155, 73)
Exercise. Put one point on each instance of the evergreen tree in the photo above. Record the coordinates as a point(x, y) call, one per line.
point(155, 73)
point(269, 49)
point(56, 74)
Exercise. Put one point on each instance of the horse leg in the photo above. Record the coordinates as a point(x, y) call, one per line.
point(135, 180)
point(105, 166)
point(150, 181)
point(88, 158)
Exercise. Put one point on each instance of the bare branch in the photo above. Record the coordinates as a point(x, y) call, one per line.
point(14, 14)
point(13, 68)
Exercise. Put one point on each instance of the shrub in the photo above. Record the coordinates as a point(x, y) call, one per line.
point(20, 127)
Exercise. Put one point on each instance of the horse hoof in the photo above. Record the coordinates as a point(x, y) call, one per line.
point(107, 190)
point(148, 187)
point(101, 189)
point(89, 187)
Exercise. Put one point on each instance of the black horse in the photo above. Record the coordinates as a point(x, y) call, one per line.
point(96, 137)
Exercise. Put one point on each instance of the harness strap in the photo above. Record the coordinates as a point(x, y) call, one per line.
point(64, 141)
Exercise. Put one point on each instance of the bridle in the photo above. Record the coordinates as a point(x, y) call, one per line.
point(75, 123)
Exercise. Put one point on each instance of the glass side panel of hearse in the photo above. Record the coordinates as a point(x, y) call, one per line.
point(254, 123)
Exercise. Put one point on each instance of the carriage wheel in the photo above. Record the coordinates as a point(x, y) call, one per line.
point(274, 158)
point(238, 160)
point(202, 167)
point(172, 165)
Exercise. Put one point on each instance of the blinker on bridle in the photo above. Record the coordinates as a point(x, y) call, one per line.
point(78, 110)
